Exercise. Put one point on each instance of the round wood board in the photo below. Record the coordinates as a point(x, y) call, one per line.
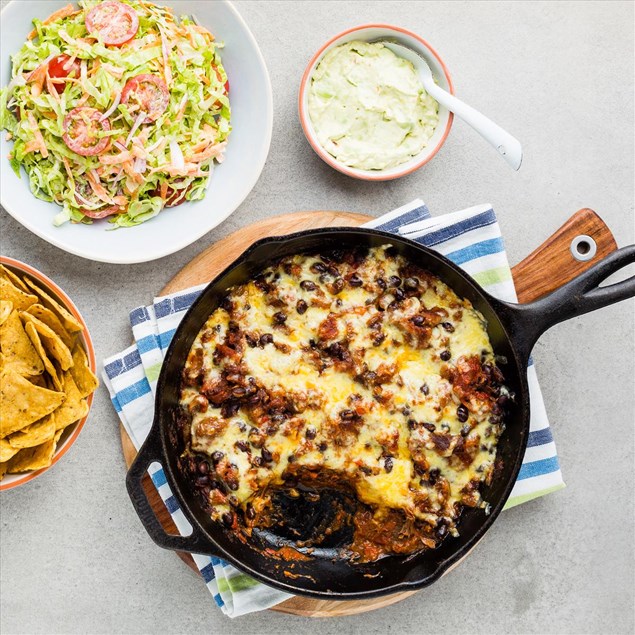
point(545, 269)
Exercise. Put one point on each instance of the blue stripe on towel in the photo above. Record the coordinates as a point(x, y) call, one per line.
point(166, 338)
point(139, 315)
point(123, 365)
point(130, 393)
point(536, 468)
point(477, 250)
point(452, 231)
point(176, 304)
point(147, 344)
point(539, 437)
point(393, 225)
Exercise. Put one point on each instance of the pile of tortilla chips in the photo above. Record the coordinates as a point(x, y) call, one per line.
point(45, 377)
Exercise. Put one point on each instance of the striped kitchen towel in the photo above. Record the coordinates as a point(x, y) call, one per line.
point(471, 238)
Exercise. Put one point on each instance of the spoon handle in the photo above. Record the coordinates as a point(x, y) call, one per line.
point(507, 146)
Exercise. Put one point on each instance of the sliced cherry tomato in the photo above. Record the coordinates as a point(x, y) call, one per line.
point(59, 68)
point(102, 213)
point(81, 131)
point(114, 23)
point(220, 79)
point(149, 92)
point(174, 196)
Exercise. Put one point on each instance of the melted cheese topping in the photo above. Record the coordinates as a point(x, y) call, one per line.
point(360, 359)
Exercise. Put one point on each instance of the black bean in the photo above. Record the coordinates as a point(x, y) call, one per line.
point(355, 281)
point(238, 392)
point(228, 519)
point(307, 285)
point(229, 409)
point(242, 446)
point(217, 456)
point(462, 413)
point(381, 283)
point(279, 317)
point(301, 307)
point(378, 339)
point(394, 281)
point(266, 455)
point(411, 283)
point(430, 427)
point(233, 485)
point(433, 475)
point(291, 458)
point(503, 401)
point(412, 424)
point(442, 530)
point(448, 327)
point(445, 355)
point(323, 446)
point(425, 389)
point(203, 467)
point(318, 267)
point(347, 415)
point(202, 481)
point(418, 320)
point(388, 465)
point(310, 433)
point(465, 430)
point(337, 286)
point(399, 295)
point(250, 512)
point(256, 461)
point(266, 338)
point(406, 411)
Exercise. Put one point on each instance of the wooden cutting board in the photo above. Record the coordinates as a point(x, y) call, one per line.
point(545, 269)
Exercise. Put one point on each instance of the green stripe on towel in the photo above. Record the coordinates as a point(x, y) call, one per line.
point(493, 276)
point(152, 372)
point(237, 583)
point(518, 500)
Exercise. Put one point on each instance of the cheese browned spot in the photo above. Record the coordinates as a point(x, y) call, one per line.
point(356, 369)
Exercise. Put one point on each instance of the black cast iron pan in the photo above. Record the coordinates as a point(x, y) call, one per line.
point(513, 330)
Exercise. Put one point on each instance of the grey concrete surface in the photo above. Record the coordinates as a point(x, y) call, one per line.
point(559, 75)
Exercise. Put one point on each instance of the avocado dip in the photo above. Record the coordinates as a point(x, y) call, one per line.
point(368, 107)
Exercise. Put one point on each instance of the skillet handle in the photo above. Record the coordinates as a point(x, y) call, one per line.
point(150, 452)
point(527, 322)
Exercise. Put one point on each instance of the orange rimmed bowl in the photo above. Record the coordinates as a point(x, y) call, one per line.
point(71, 432)
point(441, 75)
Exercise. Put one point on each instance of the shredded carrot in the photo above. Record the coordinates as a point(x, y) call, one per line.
point(51, 88)
point(164, 190)
point(64, 12)
point(97, 187)
point(113, 159)
point(38, 142)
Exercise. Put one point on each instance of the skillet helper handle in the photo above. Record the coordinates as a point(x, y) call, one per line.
point(581, 295)
point(150, 452)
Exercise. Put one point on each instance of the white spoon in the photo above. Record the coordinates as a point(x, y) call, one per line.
point(507, 146)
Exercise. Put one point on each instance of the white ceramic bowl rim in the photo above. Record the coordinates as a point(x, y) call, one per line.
point(176, 228)
point(440, 72)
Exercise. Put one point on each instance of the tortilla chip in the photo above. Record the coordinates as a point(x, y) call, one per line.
point(70, 322)
point(35, 434)
point(5, 272)
point(52, 341)
point(32, 458)
point(5, 310)
point(17, 349)
point(84, 377)
point(6, 450)
point(40, 380)
point(57, 436)
point(74, 407)
point(34, 336)
point(52, 321)
point(22, 403)
point(3, 470)
point(20, 299)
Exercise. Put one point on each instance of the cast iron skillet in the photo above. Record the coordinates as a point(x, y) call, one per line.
point(513, 330)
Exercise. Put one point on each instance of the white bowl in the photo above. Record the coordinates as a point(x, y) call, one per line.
point(175, 228)
point(439, 71)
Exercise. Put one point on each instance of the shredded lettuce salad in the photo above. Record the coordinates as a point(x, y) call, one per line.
point(145, 165)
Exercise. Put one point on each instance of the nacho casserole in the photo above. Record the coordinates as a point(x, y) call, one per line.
point(354, 370)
